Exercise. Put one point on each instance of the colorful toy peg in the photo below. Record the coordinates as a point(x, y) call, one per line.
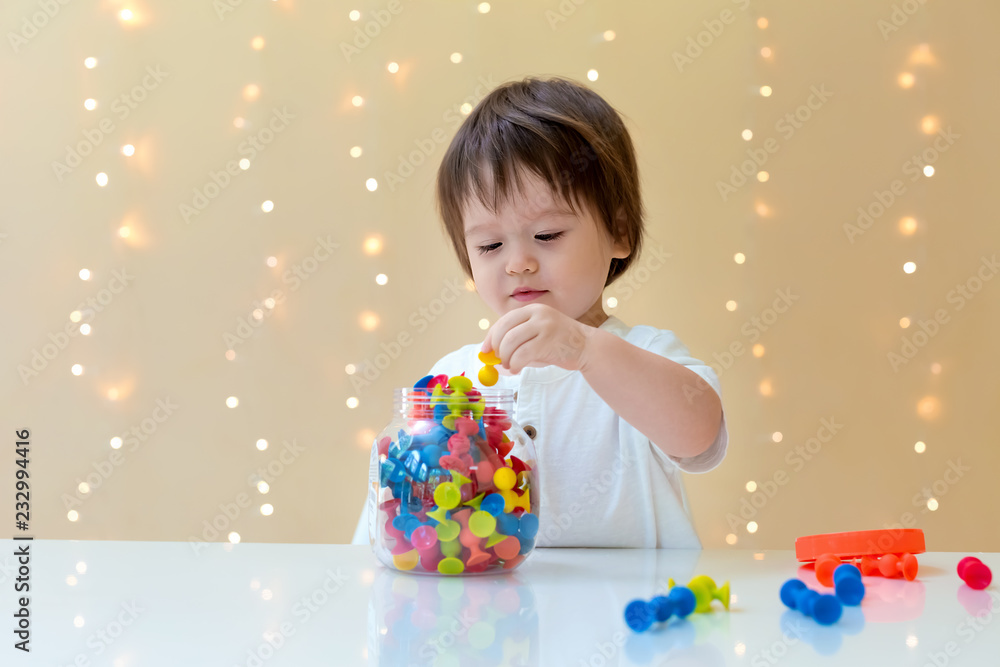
point(507, 548)
point(493, 503)
point(683, 599)
point(451, 462)
point(504, 479)
point(451, 565)
point(891, 565)
point(482, 524)
point(507, 523)
point(847, 584)
point(472, 542)
point(639, 614)
point(527, 527)
point(488, 374)
point(869, 566)
point(437, 380)
point(407, 560)
point(392, 471)
point(460, 383)
point(494, 539)
point(439, 514)
point(491, 456)
point(447, 531)
point(424, 538)
point(846, 570)
point(849, 590)
point(513, 501)
point(518, 466)
point(825, 565)
point(705, 591)
point(484, 471)
point(474, 502)
point(824, 609)
point(974, 573)
point(458, 479)
point(447, 495)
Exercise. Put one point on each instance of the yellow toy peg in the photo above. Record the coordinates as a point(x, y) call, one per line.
point(705, 591)
point(512, 501)
point(488, 375)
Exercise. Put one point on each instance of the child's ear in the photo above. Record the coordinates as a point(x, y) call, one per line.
point(620, 247)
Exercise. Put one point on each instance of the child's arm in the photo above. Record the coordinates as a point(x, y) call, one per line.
point(668, 403)
point(671, 405)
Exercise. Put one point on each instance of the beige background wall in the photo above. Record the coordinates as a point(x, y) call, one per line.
point(163, 335)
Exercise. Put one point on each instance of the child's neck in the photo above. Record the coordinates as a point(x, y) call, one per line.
point(594, 317)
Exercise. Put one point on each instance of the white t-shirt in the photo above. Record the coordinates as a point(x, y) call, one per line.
point(602, 482)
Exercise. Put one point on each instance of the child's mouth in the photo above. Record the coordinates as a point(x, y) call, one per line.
point(528, 295)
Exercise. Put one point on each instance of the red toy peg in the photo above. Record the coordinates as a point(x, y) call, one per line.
point(974, 573)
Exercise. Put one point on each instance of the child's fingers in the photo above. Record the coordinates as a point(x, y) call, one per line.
point(497, 332)
point(512, 350)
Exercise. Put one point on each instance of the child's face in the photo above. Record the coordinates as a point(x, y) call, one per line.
point(537, 242)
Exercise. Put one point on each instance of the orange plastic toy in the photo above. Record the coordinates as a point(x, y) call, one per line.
point(860, 543)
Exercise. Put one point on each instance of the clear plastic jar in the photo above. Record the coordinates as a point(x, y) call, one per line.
point(452, 482)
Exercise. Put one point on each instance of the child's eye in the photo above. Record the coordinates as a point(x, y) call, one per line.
point(484, 249)
point(548, 237)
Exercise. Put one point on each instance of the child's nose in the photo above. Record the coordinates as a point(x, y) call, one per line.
point(520, 260)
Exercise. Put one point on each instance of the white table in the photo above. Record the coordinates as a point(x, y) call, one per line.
point(161, 603)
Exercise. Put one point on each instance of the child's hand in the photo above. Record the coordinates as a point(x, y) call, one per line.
point(537, 335)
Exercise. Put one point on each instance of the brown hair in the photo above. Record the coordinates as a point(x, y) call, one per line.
point(558, 129)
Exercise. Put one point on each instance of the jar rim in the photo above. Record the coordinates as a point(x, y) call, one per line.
point(488, 394)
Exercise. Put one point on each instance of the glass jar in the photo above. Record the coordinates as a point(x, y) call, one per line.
point(453, 483)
